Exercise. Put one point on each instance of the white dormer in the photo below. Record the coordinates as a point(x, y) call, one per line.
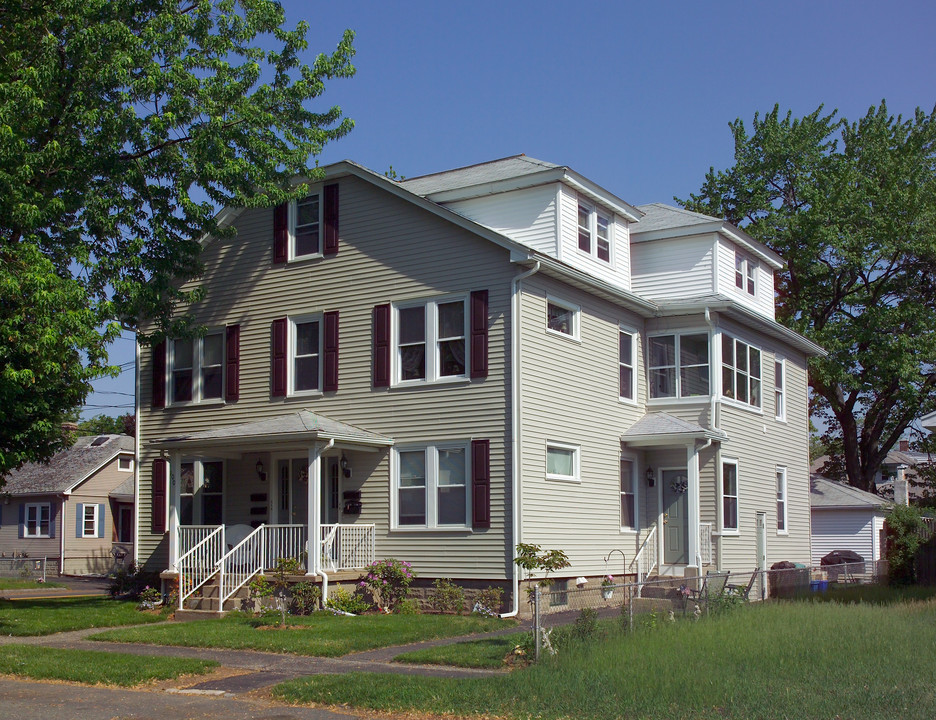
point(680, 255)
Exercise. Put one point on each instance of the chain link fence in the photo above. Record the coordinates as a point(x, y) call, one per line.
point(26, 568)
point(563, 604)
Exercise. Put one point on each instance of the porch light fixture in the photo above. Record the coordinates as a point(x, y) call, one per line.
point(650, 476)
point(260, 473)
point(345, 467)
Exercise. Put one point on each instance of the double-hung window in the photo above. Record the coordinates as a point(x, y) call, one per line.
point(729, 495)
point(741, 371)
point(679, 365)
point(627, 376)
point(430, 340)
point(562, 462)
point(305, 350)
point(89, 520)
point(628, 494)
point(781, 500)
point(37, 517)
point(305, 227)
point(780, 389)
point(562, 318)
point(196, 368)
point(431, 486)
point(594, 231)
point(745, 273)
point(201, 492)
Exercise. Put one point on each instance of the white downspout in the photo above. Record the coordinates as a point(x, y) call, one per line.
point(713, 408)
point(515, 430)
point(314, 518)
point(138, 431)
point(61, 569)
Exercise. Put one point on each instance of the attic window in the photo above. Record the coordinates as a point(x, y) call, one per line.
point(100, 440)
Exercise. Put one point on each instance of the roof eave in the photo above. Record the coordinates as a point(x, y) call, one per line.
point(267, 439)
point(653, 439)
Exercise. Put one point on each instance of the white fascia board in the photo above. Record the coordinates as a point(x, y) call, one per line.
point(601, 196)
point(735, 235)
point(266, 440)
point(71, 488)
point(520, 182)
point(672, 438)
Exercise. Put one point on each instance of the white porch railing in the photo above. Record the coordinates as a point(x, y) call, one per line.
point(284, 541)
point(347, 547)
point(239, 564)
point(191, 535)
point(646, 559)
point(198, 563)
point(705, 543)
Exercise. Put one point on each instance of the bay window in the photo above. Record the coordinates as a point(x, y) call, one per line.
point(741, 371)
point(679, 365)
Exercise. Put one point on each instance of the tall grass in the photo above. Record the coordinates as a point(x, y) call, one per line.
point(791, 660)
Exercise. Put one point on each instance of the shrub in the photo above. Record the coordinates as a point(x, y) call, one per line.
point(904, 526)
point(447, 596)
point(346, 601)
point(388, 581)
point(306, 598)
point(489, 601)
point(130, 582)
point(149, 598)
point(533, 558)
point(406, 607)
point(259, 587)
point(586, 624)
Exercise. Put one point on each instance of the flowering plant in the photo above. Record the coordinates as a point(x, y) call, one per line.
point(607, 581)
point(388, 581)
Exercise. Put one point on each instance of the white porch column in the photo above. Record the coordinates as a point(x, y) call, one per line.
point(175, 490)
point(315, 507)
point(692, 468)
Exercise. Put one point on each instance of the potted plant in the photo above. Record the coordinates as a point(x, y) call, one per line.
point(607, 587)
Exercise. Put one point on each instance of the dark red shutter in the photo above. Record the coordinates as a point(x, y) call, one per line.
point(331, 220)
point(159, 374)
point(232, 363)
point(160, 467)
point(480, 484)
point(479, 334)
point(382, 345)
point(280, 233)
point(331, 351)
point(278, 363)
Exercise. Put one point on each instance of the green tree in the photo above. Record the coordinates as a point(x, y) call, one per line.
point(124, 126)
point(104, 425)
point(851, 207)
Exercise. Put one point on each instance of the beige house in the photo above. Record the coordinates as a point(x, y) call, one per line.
point(464, 361)
point(76, 511)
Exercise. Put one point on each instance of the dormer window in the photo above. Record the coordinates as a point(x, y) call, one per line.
point(745, 271)
point(594, 231)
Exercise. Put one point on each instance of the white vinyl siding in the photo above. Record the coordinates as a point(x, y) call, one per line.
point(763, 299)
point(674, 268)
point(856, 530)
point(616, 270)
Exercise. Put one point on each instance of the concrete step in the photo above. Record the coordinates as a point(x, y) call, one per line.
point(188, 615)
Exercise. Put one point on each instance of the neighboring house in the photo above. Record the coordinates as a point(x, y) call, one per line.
point(496, 354)
point(846, 518)
point(76, 510)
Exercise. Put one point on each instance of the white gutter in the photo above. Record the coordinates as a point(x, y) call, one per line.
point(515, 431)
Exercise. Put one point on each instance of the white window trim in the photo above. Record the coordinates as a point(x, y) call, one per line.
point(292, 337)
point(431, 451)
point(84, 520)
point(127, 458)
point(197, 355)
point(636, 493)
point(198, 483)
point(780, 407)
point(782, 482)
point(721, 496)
point(576, 450)
point(433, 360)
point(748, 270)
point(38, 507)
point(593, 212)
point(623, 329)
point(293, 214)
point(734, 402)
point(678, 397)
point(576, 311)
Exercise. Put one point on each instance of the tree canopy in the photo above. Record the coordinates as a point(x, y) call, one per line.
point(125, 125)
point(851, 207)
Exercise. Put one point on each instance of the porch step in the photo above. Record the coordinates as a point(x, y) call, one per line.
point(188, 615)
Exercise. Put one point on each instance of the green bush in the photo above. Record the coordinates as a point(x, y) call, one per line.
point(904, 527)
point(388, 581)
point(406, 607)
point(586, 624)
point(490, 601)
point(306, 598)
point(447, 597)
point(341, 599)
point(259, 587)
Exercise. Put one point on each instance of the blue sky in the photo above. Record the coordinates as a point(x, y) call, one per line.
point(635, 97)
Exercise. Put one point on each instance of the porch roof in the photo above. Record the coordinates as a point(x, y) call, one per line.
point(303, 426)
point(661, 428)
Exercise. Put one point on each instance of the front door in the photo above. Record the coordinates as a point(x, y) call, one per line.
point(331, 486)
point(675, 517)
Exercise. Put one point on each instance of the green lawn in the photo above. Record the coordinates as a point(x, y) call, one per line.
point(17, 584)
point(321, 634)
point(484, 653)
point(43, 617)
point(777, 660)
point(93, 667)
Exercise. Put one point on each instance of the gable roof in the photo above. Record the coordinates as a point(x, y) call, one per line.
point(828, 494)
point(491, 171)
point(68, 468)
point(664, 221)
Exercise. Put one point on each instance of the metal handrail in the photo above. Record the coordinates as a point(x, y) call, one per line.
point(646, 556)
point(239, 564)
point(199, 563)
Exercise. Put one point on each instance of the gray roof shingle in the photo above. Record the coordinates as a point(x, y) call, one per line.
point(661, 423)
point(825, 493)
point(487, 172)
point(67, 468)
point(660, 216)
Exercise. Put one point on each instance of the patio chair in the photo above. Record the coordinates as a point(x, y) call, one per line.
point(713, 585)
point(743, 590)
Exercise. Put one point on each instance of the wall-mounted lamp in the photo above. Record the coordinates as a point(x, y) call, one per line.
point(651, 476)
point(345, 467)
point(260, 473)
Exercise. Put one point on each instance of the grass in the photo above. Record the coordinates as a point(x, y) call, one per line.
point(321, 634)
point(485, 653)
point(778, 660)
point(18, 584)
point(94, 667)
point(43, 617)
